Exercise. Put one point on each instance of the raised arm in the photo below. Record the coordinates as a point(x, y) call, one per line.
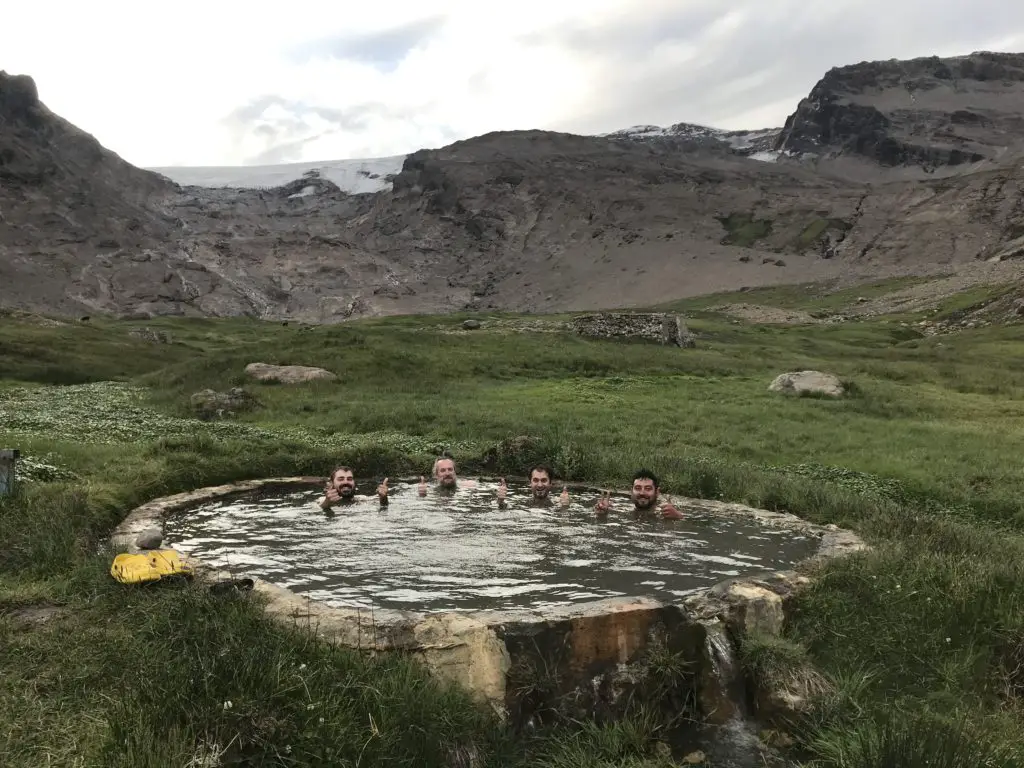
point(604, 504)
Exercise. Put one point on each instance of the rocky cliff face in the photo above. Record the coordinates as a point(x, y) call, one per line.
point(73, 215)
point(534, 220)
point(689, 137)
point(930, 113)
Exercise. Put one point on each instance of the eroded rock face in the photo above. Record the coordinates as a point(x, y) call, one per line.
point(755, 609)
point(592, 661)
point(664, 328)
point(465, 651)
point(18, 95)
point(63, 199)
point(532, 220)
point(926, 112)
point(288, 374)
point(811, 382)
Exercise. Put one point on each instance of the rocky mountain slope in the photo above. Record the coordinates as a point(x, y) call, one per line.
point(886, 168)
point(936, 116)
point(66, 205)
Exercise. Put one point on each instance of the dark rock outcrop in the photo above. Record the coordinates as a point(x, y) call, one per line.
point(64, 198)
point(19, 97)
point(926, 112)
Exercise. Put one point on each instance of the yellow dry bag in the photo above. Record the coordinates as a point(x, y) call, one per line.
point(149, 566)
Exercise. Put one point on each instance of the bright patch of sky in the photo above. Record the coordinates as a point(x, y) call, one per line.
point(223, 82)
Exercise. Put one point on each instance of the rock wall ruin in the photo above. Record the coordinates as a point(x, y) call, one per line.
point(662, 327)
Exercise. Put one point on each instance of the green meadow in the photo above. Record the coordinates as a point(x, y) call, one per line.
point(920, 641)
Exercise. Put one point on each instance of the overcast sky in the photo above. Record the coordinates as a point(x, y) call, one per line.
point(221, 82)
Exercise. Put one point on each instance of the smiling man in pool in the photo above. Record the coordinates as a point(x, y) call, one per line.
point(644, 494)
point(540, 489)
point(341, 489)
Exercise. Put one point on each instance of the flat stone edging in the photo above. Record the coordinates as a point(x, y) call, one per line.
point(471, 648)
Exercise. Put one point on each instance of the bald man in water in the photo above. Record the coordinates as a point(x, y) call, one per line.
point(341, 489)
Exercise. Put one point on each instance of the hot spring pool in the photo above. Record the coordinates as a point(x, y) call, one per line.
point(460, 552)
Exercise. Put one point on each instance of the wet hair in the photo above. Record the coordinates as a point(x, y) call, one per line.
point(336, 470)
point(445, 455)
point(646, 474)
point(541, 468)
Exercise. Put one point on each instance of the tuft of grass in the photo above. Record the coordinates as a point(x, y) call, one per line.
point(780, 664)
point(743, 229)
point(636, 742)
point(955, 307)
point(813, 232)
point(912, 741)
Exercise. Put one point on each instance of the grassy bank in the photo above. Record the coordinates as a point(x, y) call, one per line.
point(922, 459)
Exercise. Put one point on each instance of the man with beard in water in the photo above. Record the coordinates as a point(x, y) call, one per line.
point(540, 489)
point(444, 474)
point(341, 489)
point(645, 498)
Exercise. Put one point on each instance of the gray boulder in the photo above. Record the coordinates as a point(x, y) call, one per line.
point(810, 382)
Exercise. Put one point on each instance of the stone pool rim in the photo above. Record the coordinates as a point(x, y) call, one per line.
point(833, 541)
point(466, 646)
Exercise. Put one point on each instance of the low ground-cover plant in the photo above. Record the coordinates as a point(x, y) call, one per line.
point(923, 462)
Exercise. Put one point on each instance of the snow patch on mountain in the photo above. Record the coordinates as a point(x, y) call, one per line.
point(366, 176)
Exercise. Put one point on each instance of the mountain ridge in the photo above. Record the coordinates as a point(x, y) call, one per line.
point(533, 220)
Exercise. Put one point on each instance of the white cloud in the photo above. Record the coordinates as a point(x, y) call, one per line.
point(383, 78)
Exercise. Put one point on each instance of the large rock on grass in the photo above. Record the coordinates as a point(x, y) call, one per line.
point(809, 383)
point(288, 374)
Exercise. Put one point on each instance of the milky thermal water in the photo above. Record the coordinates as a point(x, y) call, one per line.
point(461, 552)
